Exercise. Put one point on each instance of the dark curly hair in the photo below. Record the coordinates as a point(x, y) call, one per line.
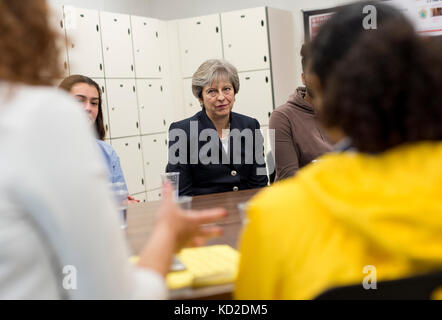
point(386, 90)
point(340, 33)
point(71, 81)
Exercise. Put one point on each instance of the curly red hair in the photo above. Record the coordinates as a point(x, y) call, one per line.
point(29, 53)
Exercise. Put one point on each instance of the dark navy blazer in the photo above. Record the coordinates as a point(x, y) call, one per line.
point(227, 175)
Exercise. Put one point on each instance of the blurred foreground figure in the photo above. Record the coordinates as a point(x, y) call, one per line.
point(375, 211)
point(59, 231)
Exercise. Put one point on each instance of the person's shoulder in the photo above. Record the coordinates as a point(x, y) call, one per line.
point(244, 120)
point(185, 123)
point(45, 100)
point(106, 146)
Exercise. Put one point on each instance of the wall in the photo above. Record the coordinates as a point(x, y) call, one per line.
point(178, 9)
point(134, 7)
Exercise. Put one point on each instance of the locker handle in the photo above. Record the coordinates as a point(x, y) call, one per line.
point(265, 58)
point(247, 78)
point(217, 29)
point(102, 89)
point(243, 16)
point(165, 142)
point(142, 181)
point(82, 15)
point(164, 121)
point(267, 79)
point(154, 140)
point(106, 127)
point(61, 24)
point(159, 68)
point(65, 65)
point(133, 88)
point(198, 22)
point(269, 114)
point(101, 67)
point(161, 88)
point(137, 124)
point(262, 23)
point(98, 29)
point(156, 33)
point(139, 146)
point(132, 67)
point(126, 144)
point(128, 31)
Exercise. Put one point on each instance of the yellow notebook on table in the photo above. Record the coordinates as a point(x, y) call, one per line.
point(205, 266)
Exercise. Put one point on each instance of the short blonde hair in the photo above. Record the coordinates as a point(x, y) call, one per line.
point(212, 71)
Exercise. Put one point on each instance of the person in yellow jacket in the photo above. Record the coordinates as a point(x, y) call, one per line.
point(374, 210)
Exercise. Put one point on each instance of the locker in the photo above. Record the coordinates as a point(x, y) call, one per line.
point(154, 195)
point(131, 159)
point(200, 40)
point(255, 98)
point(84, 48)
point(116, 36)
point(105, 110)
point(245, 39)
point(148, 35)
point(155, 159)
point(57, 21)
point(122, 107)
point(191, 104)
point(152, 105)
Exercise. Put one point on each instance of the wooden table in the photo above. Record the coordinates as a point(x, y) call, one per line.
point(141, 218)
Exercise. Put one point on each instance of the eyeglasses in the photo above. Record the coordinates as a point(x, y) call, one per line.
point(213, 93)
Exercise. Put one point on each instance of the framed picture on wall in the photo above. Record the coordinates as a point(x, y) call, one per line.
point(314, 19)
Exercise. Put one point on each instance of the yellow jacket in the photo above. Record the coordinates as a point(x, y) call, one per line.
point(347, 211)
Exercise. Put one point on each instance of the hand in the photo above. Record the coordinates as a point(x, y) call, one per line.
point(185, 226)
point(131, 199)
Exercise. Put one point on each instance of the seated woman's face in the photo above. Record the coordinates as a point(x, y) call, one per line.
point(88, 96)
point(218, 99)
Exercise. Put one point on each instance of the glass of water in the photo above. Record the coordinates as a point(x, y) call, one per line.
point(174, 178)
point(120, 194)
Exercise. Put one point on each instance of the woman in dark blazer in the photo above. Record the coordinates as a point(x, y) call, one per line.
point(216, 150)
